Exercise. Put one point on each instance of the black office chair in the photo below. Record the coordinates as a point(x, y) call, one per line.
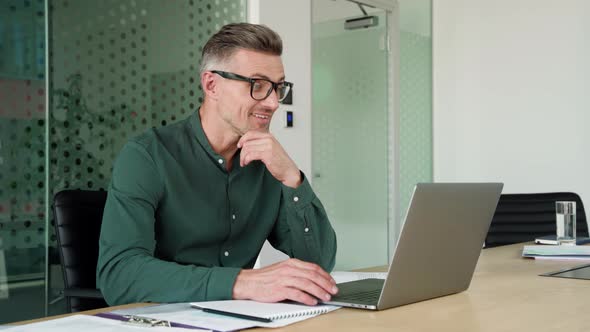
point(524, 217)
point(78, 216)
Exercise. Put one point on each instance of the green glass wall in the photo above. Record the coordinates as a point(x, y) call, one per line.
point(116, 68)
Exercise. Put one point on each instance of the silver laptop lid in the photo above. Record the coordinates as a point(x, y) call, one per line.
point(440, 243)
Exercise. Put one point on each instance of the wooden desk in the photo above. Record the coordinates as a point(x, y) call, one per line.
point(506, 294)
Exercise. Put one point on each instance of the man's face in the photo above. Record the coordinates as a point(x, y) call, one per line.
point(236, 107)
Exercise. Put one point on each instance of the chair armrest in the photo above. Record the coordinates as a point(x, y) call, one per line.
point(83, 292)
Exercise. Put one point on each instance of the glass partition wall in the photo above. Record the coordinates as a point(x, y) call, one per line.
point(23, 153)
point(115, 69)
point(349, 131)
point(415, 98)
point(367, 155)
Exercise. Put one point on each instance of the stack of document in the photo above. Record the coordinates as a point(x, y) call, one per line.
point(88, 324)
point(552, 239)
point(557, 252)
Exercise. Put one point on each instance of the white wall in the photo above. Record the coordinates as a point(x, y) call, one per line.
point(292, 21)
point(511, 85)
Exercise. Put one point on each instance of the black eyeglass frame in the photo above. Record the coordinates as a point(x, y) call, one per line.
point(274, 86)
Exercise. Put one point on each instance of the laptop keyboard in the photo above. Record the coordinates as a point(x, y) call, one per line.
point(365, 291)
point(366, 296)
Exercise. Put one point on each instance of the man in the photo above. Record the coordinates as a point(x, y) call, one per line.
point(191, 204)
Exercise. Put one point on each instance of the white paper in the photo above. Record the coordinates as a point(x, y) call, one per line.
point(344, 276)
point(88, 324)
point(183, 313)
point(198, 318)
point(565, 258)
point(557, 252)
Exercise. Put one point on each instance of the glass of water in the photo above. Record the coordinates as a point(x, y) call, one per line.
point(565, 217)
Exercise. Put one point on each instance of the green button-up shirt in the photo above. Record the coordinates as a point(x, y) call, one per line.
point(178, 226)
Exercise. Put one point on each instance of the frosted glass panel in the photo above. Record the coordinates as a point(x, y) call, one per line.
point(22, 159)
point(349, 138)
point(415, 136)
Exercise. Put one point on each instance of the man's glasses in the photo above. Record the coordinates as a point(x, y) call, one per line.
point(260, 88)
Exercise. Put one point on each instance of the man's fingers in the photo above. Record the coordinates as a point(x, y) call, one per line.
point(312, 276)
point(285, 280)
point(256, 142)
point(255, 147)
point(251, 135)
point(246, 158)
point(312, 267)
point(309, 287)
point(258, 145)
point(299, 296)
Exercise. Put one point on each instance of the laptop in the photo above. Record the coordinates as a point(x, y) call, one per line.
point(438, 248)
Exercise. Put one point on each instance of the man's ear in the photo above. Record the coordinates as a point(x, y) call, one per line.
point(209, 85)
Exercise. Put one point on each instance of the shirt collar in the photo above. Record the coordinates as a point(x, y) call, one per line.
point(197, 129)
point(199, 133)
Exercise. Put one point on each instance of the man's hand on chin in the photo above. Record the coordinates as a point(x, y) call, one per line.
point(263, 146)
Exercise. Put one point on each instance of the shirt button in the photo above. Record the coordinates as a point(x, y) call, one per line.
point(220, 161)
point(296, 199)
point(226, 253)
point(306, 230)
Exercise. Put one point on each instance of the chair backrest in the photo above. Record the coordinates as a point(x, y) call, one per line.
point(523, 217)
point(78, 217)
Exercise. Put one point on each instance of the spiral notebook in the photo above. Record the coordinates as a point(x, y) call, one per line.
point(262, 311)
point(185, 314)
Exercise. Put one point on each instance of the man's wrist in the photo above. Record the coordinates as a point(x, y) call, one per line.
point(293, 180)
point(238, 289)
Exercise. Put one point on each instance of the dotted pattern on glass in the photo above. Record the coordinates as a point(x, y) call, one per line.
point(22, 132)
point(117, 69)
point(415, 139)
point(349, 131)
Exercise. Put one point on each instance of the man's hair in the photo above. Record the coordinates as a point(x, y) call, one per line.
point(235, 36)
